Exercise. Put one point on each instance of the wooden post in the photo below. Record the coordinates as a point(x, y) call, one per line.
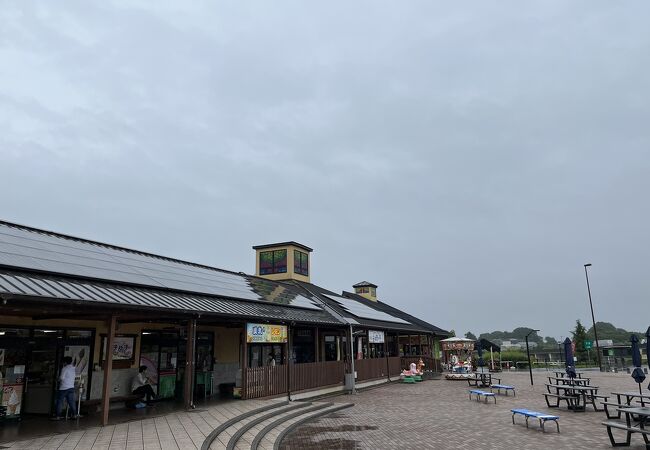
point(244, 363)
point(420, 344)
point(108, 368)
point(317, 342)
point(289, 360)
point(189, 365)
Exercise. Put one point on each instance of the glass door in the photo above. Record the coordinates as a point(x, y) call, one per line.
point(40, 375)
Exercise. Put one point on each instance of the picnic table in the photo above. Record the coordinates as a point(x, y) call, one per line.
point(564, 374)
point(636, 420)
point(624, 400)
point(576, 397)
point(482, 379)
point(575, 381)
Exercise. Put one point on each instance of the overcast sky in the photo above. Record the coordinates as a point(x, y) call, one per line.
point(468, 158)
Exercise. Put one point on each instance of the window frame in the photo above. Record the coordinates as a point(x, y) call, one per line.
point(274, 265)
point(298, 266)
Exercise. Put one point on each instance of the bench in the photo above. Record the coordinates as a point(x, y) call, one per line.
point(126, 399)
point(483, 394)
point(559, 397)
point(542, 417)
point(505, 387)
point(592, 398)
point(623, 426)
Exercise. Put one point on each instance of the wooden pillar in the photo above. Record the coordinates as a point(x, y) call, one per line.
point(317, 342)
point(108, 368)
point(244, 362)
point(289, 359)
point(420, 344)
point(188, 390)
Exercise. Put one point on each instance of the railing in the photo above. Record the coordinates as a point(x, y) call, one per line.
point(265, 381)
point(394, 366)
point(318, 374)
point(369, 369)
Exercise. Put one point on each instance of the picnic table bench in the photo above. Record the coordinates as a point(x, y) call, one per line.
point(483, 394)
point(642, 419)
point(576, 397)
point(482, 379)
point(503, 387)
point(542, 417)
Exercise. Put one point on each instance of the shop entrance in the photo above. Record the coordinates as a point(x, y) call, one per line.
point(30, 360)
point(159, 352)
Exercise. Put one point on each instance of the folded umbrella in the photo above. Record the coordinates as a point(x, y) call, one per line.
point(568, 357)
point(637, 373)
point(479, 349)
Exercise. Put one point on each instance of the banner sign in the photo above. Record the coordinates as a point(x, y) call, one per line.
point(447, 346)
point(263, 332)
point(375, 337)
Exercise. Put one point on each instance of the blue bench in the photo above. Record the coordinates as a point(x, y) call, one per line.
point(505, 387)
point(537, 415)
point(483, 394)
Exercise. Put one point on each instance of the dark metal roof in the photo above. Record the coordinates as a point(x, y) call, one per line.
point(364, 284)
point(486, 345)
point(43, 287)
point(403, 325)
point(401, 314)
point(52, 253)
point(283, 244)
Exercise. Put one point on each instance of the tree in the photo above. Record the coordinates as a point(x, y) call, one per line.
point(452, 333)
point(579, 337)
point(470, 335)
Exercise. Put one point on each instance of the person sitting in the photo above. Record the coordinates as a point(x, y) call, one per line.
point(141, 385)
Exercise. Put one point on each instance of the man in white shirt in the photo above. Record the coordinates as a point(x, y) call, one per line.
point(141, 386)
point(66, 388)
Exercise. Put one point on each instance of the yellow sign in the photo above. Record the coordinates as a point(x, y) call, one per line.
point(265, 333)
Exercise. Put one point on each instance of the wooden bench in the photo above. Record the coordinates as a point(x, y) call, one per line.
point(623, 426)
point(505, 387)
point(558, 397)
point(126, 399)
point(483, 394)
point(542, 417)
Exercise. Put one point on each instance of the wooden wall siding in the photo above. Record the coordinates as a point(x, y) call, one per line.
point(369, 369)
point(318, 374)
point(429, 363)
point(265, 381)
point(394, 366)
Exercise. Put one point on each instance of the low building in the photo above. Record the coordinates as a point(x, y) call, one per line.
point(198, 329)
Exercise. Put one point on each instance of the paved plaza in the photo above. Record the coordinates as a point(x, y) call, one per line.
point(434, 414)
point(437, 414)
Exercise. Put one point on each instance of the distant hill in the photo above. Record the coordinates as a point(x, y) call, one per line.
point(606, 330)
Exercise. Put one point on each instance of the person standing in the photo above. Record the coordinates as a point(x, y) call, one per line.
point(66, 389)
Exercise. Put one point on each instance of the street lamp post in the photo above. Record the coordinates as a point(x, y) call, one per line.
point(593, 320)
point(530, 367)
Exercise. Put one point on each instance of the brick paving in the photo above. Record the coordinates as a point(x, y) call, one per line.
point(176, 431)
point(437, 414)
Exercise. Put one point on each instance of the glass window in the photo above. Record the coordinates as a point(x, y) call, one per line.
point(300, 263)
point(274, 261)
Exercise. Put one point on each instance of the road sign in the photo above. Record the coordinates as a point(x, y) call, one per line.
point(588, 345)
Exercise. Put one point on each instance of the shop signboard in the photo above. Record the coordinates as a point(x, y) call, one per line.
point(266, 333)
point(375, 337)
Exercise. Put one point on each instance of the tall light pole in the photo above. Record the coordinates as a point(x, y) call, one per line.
point(593, 320)
point(530, 367)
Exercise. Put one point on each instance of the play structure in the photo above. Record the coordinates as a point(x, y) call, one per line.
point(457, 354)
